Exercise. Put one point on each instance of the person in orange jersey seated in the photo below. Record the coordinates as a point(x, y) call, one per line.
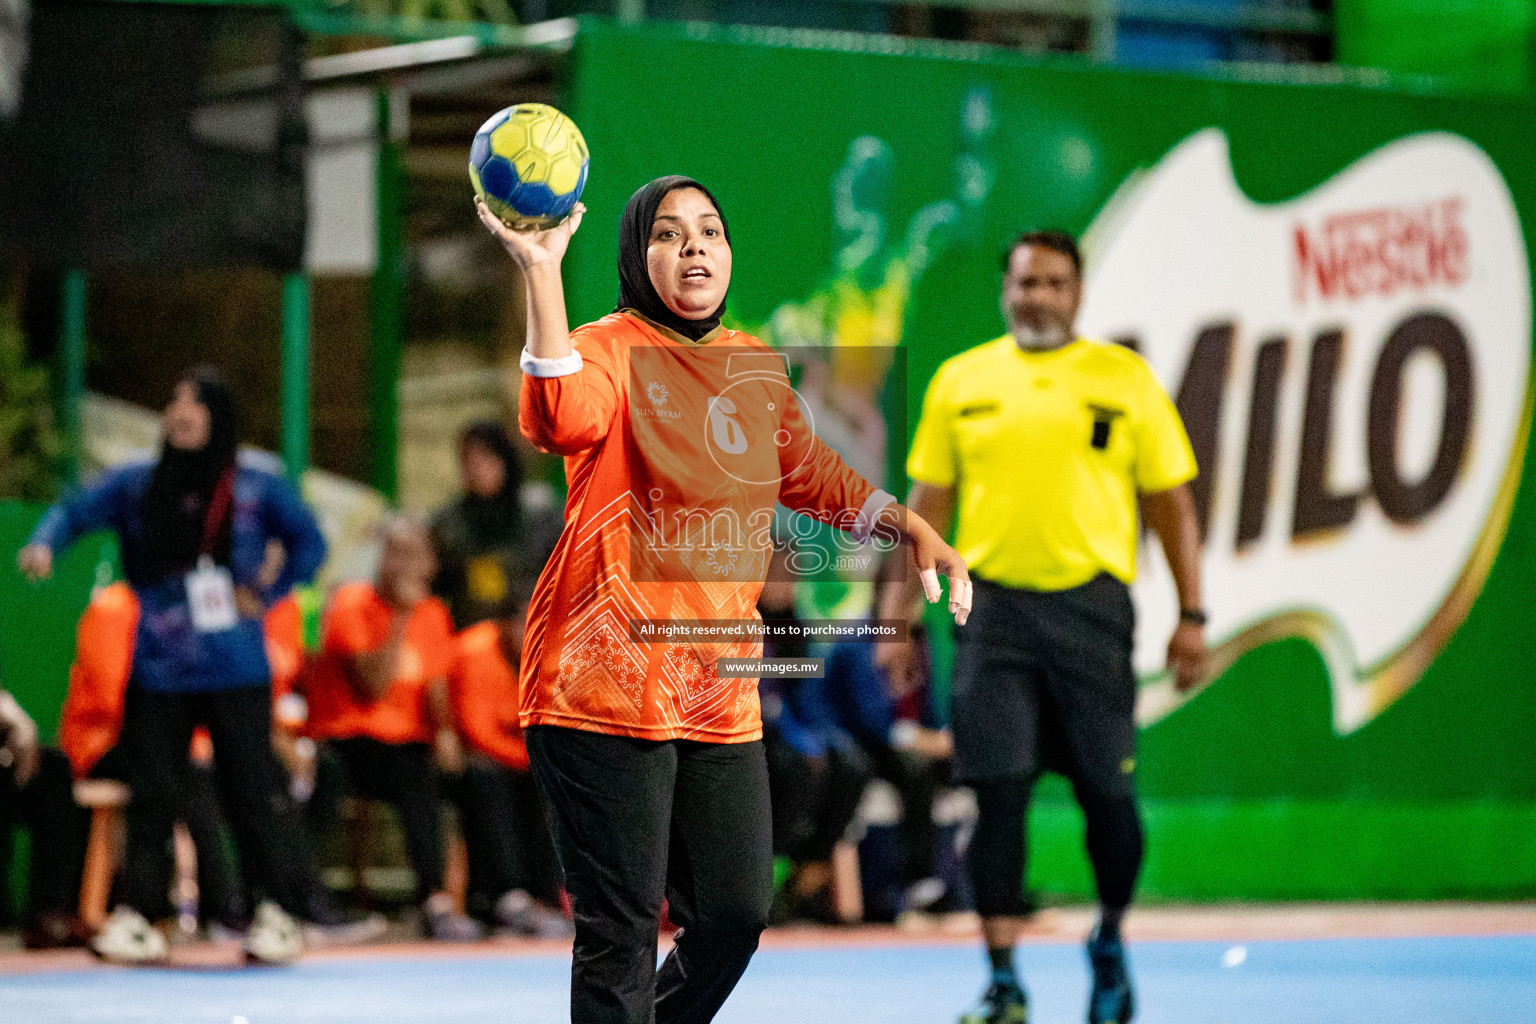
point(293, 643)
point(378, 701)
point(513, 876)
point(90, 725)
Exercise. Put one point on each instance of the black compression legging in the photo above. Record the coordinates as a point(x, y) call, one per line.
point(996, 855)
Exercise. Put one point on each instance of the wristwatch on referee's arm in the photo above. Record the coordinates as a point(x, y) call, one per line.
point(1193, 616)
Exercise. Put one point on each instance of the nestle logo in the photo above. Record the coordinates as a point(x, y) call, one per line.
point(1381, 251)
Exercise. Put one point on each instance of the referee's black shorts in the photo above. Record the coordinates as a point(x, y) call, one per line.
point(1043, 682)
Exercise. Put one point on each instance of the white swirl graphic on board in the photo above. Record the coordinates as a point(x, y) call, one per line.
point(1353, 366)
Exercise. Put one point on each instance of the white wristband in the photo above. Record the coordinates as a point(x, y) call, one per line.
point(554, 366)
point(864, 524)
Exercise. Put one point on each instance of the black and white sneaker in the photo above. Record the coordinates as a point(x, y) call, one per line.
point(274, 937)
point(127, 938)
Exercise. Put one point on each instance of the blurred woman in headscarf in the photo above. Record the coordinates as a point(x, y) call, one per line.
point(489, 542)
point(193, 528)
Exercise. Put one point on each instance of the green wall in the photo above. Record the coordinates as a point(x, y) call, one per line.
point(37, 620)
point(37, 636)
point(1476, 44)
point(1249, 792)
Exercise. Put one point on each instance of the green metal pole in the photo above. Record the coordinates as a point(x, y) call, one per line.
point(72, 369)
point(386, 311)
point(296, 374)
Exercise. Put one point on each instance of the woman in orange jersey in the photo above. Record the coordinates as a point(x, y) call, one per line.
point(679, 438)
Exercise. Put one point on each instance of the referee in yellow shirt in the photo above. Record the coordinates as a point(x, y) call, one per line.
point(1044, 443)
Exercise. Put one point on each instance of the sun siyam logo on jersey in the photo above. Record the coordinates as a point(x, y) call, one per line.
point(1353, 366)
point(659, 398)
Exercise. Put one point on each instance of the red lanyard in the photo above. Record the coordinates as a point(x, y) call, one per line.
point(218, 506)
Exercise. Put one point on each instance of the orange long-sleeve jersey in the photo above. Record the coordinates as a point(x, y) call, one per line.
point(92, 716)
point(357, 622)
point(482, 689)
point(675, 457)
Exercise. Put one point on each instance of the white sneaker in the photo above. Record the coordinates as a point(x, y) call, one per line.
point(518, 914)
point(446, 924)
point(274, 937)
point(127, 938)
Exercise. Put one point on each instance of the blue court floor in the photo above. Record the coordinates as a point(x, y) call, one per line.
point(1329, 981)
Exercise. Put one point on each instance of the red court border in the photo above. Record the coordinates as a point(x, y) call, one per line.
point(1219, 923)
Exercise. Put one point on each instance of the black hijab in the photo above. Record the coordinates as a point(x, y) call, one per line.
point(183, 483)
point(635, 289)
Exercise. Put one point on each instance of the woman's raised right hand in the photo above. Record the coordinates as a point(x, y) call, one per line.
point(532, 248)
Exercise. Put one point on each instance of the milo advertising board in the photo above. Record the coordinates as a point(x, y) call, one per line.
point(1332, 280)
point(1352, 366)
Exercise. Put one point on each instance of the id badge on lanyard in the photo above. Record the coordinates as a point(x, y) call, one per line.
point(211, 596)
point(210, 587)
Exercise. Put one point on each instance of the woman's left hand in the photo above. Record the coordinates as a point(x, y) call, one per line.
point(934, 556)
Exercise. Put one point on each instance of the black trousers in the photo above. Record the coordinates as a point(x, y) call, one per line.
point(1043, 681)
point(58, 830)
point(157, 730)
point(403, 776)
point(505, 832)
point(635, 821)
point(226, 890)
point(221, 889)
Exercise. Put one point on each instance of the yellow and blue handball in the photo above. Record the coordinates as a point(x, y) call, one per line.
point(529, 164)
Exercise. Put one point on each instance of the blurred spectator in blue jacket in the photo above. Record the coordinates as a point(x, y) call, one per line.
point(193, 528)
